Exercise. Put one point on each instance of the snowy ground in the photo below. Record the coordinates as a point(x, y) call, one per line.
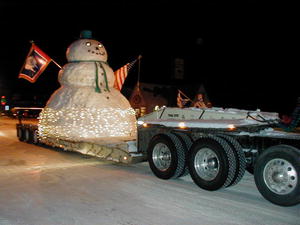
point(41, 186)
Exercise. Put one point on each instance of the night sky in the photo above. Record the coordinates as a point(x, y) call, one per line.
point(243, 53)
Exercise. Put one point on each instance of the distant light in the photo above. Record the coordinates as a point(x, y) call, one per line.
point(145, 125)
point(125, 158)
point(3, 100)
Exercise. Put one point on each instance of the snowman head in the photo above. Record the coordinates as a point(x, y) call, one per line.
point(86, 49)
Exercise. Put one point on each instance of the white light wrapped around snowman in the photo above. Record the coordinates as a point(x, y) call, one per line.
point(87, 105)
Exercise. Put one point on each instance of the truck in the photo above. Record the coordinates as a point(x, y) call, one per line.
point(215, 146)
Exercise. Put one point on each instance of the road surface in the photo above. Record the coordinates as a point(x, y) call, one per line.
point(43, 186)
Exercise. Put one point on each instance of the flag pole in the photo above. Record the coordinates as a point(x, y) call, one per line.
point(56, 63)
point(139, 70)
point(32, 42)
point(184, 95)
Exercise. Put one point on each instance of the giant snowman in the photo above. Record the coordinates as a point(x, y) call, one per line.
point(87, 106)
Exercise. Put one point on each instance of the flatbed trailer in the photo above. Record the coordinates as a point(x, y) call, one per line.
point(215, 146)
point(121, 151)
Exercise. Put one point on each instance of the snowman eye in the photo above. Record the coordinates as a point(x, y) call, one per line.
point(100, 46)
point(88, 43)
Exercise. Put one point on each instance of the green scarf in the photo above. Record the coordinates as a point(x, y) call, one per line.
point(97, 88)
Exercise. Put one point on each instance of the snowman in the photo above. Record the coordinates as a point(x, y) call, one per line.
point(87, 106)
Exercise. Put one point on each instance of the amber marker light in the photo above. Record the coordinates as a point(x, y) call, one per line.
point(231, 127)
point(142, 123)
point(181, 125)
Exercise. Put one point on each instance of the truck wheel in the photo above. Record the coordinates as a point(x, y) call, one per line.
point(277, 175)
point(30, 136)
point(20, 133)
point(35, 139)
point(212, 163)
point(239, 156)
point(27, 135)
point(187, 142)
point(166, 156)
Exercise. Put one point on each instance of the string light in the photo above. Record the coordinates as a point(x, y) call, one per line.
point(73, 123)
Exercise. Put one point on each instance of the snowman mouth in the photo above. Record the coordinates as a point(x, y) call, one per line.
point(96, 52)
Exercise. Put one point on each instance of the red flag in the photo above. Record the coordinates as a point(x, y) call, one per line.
point(121, 74)
point(35, 63)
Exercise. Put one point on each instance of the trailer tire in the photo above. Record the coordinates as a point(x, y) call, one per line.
point(277, 175)
point(187, 142)
point(20, 133)
point(166, 156)
point(35, 139)
point(31, 135)
point(27, 135)
point(212, 163)
point(239, 156)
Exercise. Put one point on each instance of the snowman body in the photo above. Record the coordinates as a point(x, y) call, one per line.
point(87, 106)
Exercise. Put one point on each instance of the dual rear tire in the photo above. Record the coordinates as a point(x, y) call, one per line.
point(216, 162)
point(27, 134)
point(167, 156)
point(213, 162)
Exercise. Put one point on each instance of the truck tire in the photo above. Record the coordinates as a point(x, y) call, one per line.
point(239, 156)
point(166, 156)
point(212, 163)
point(277, 175)
point(21, 133)
point(27, 135)
point(35, 139)
point(187, 142)
point(31, 135)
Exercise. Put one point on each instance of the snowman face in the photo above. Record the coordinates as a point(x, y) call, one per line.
point(86, 50)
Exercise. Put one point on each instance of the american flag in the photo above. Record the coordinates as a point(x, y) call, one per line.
point(121, 74)
point(35, 63)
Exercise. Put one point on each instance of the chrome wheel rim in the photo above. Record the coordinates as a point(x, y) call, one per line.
point(206, 164)
point(280, 176)
point(161, 156)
